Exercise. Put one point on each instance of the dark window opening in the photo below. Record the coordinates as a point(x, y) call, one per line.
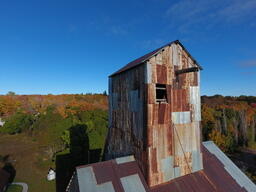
point(161, 93)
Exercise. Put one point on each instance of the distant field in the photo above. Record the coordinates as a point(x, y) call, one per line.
point(29, 161)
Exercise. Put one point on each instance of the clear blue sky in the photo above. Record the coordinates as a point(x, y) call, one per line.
point(71, 46)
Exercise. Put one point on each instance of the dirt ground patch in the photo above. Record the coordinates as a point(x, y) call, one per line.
point(29, 160)
point(245, 159)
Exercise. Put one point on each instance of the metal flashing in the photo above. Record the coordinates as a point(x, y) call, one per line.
point(125, 159)
point(132, 183)
point(230, 167)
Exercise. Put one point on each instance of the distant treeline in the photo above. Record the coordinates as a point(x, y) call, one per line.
point(229, 121)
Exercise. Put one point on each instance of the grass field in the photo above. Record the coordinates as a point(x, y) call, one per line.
point(14, 188)
point(29, 160)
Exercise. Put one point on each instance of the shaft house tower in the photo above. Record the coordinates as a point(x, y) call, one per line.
point(154, 114)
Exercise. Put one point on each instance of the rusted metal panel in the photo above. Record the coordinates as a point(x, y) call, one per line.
point(184, 143)
point(167, 168)
point(169, 96)
point(181, 117)
point(230, 167)
point(183, 80)
point(166, 56)
point(151, 93)
point(194, 79)
point(152, 114)
point(109, 176)
point(177, 172)
point(159, 58)
point(217, 174)
point(184, 59)
point(175, 55)
point(180, 111)
point(180, 100)
point(212, 178)
point(154, 160)
point(151, 74)
point(163, 113)
point(132, 183)
point(195, 100)
point(197, 163)
point(90, 184)
point(161, 74)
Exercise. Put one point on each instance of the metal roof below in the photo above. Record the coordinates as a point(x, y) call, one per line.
point(230, 167)
point(124, 175)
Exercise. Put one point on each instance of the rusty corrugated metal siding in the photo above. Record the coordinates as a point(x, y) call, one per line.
point(164, 137)
point(173, 127)
point(126, 113)
point(213, 177)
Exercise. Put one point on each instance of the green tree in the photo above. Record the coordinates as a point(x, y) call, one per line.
point(65, 137)
point(17, 123)
point(11, 93)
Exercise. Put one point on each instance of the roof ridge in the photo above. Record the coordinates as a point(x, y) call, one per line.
point(147, 56)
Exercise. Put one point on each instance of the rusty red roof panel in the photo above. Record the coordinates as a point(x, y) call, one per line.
point(213, 177)
point(111, 171)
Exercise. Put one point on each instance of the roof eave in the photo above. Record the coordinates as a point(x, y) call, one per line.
point(157, 52)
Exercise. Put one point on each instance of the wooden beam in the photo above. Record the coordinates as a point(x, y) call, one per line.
point(188, 70)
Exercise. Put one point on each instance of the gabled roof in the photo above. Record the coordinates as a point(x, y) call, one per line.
point(123, 175)
point(146, 57)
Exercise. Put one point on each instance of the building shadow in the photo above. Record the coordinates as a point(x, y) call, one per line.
point(66, 163)
point(79, 144)
point(94, 155)
point(80, 154)
point(9, 168)
point(64, 170)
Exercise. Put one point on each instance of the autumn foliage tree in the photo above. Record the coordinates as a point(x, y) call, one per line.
point(229, 121)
